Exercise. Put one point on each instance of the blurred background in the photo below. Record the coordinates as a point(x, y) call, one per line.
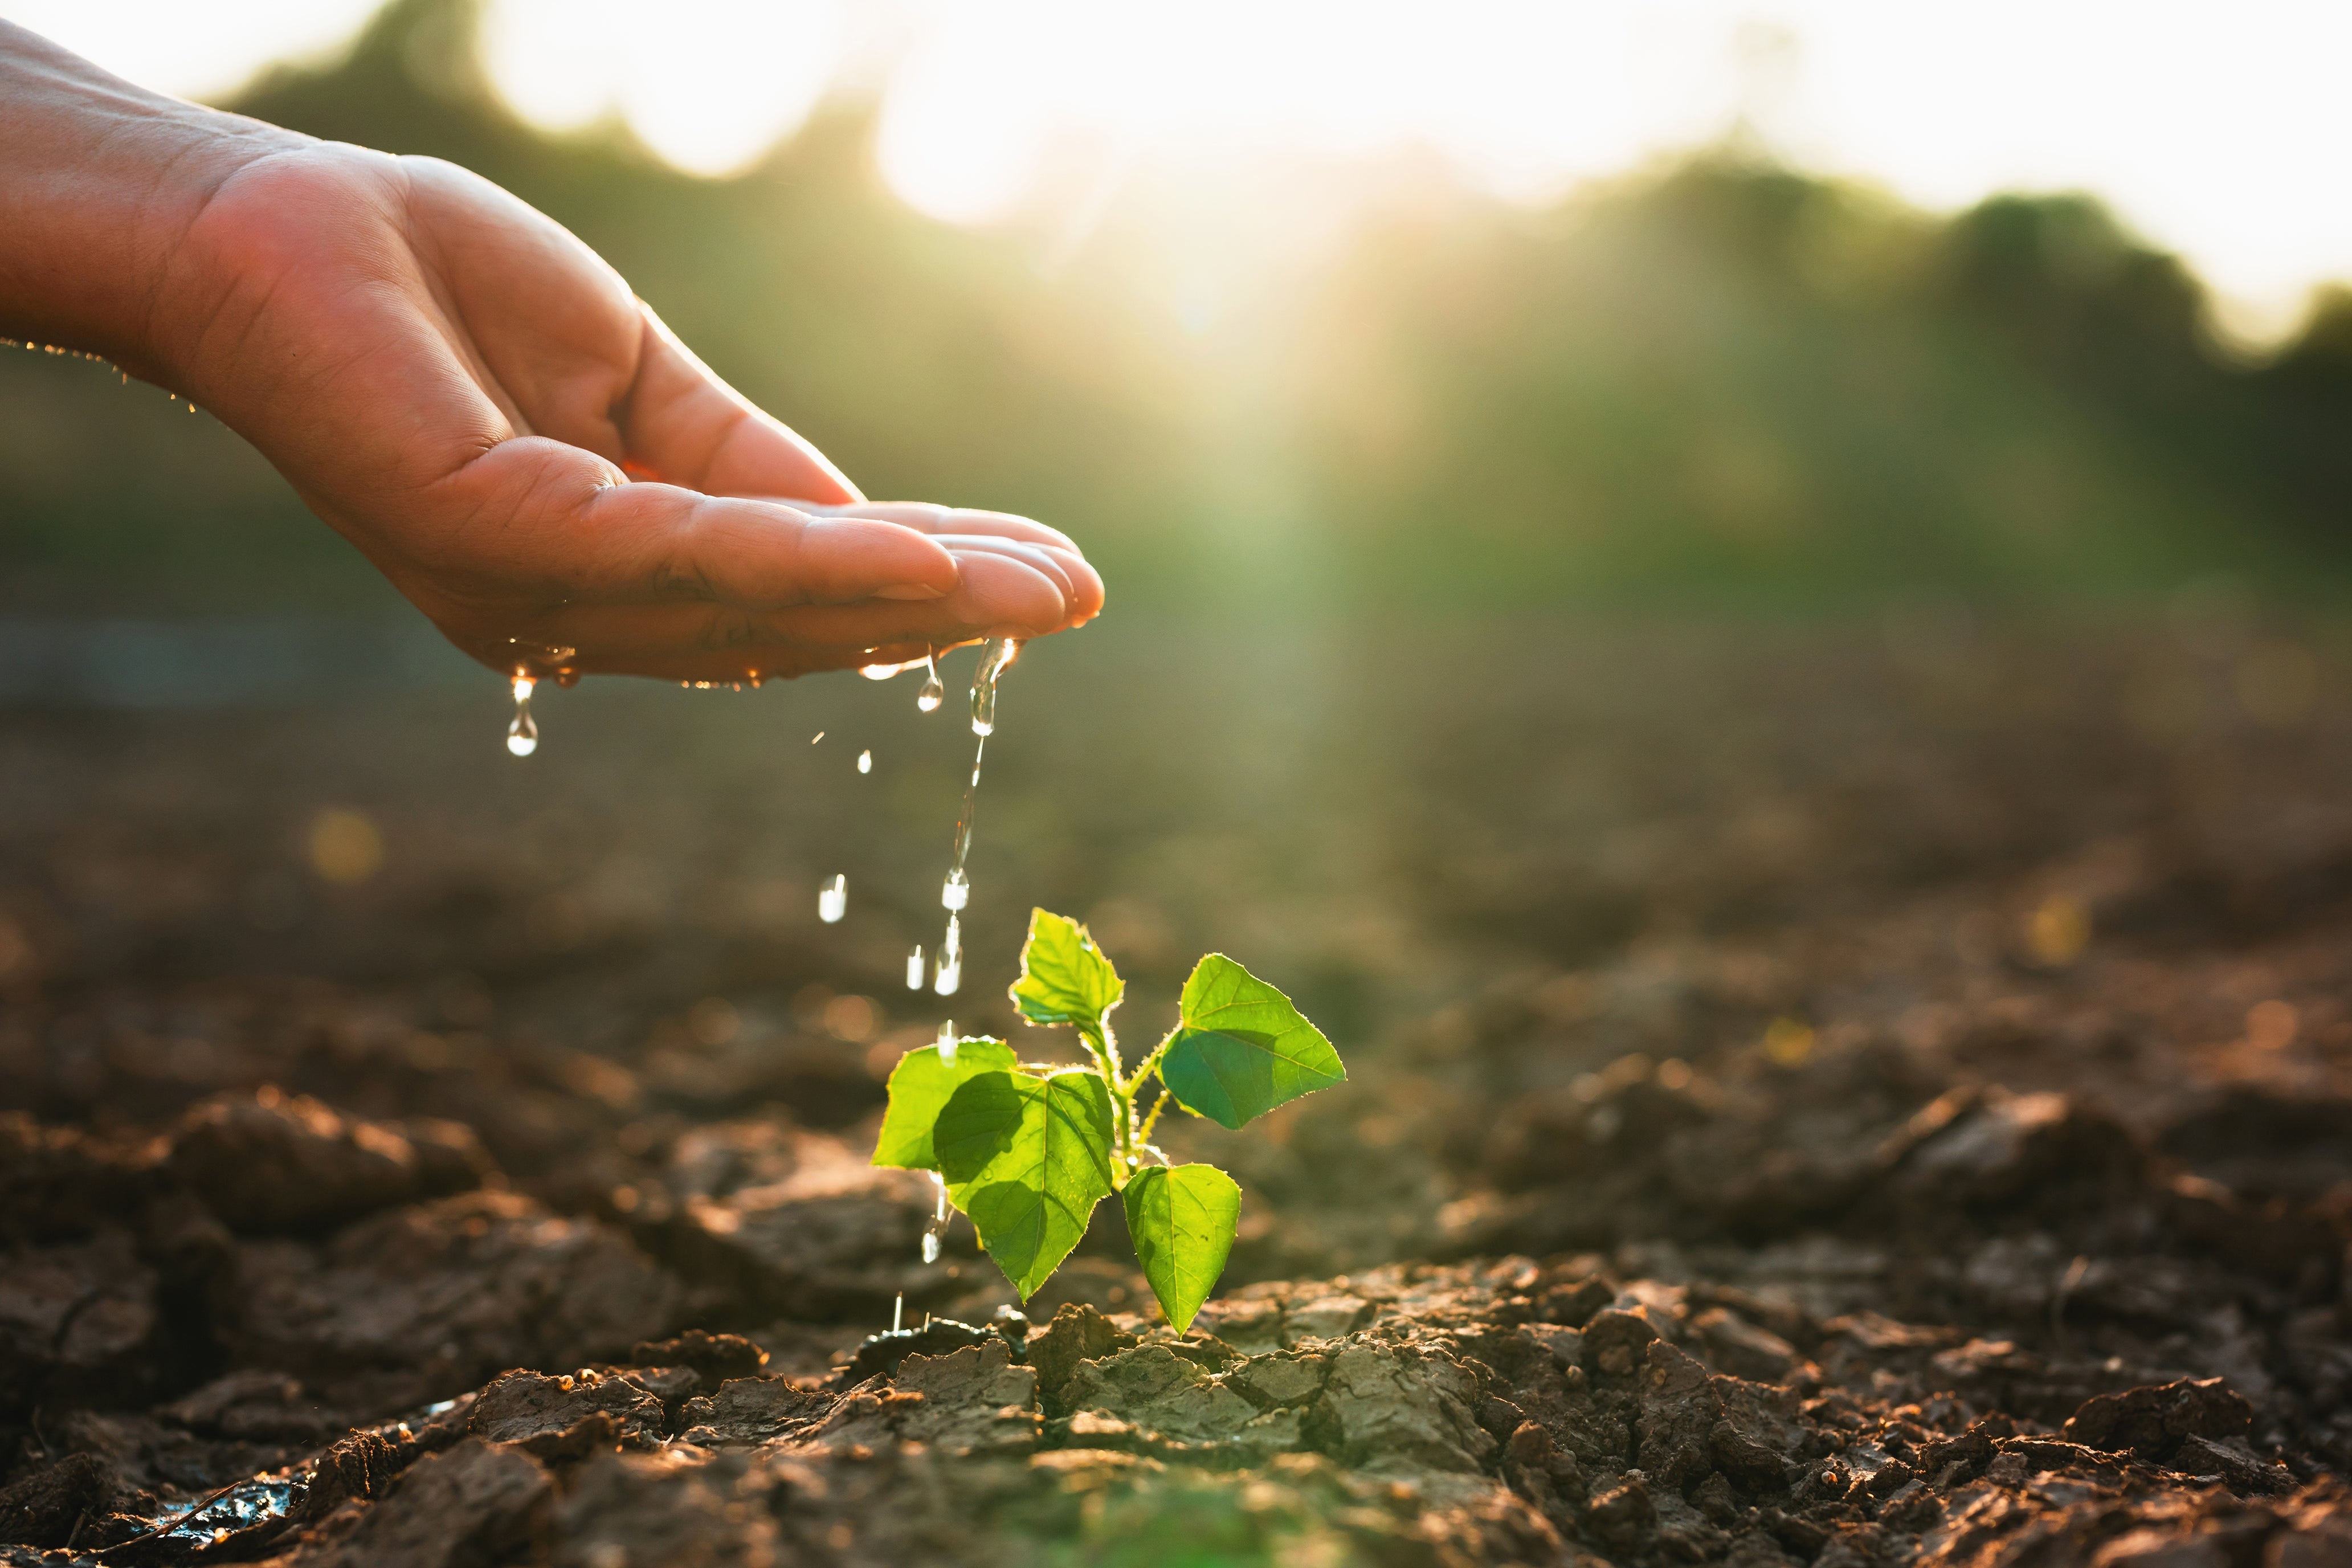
point(1345, 308)
point(1622, 497)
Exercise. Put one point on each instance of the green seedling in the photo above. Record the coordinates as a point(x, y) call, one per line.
point(1027, 1149)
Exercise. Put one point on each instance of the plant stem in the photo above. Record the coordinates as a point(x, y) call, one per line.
point(1143, 1136)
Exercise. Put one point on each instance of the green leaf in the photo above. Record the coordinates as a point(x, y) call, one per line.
point(921, 1086)
point(1027, 1158)
point(1243, 1048)
point(1065, 978)
point(1182, 1221)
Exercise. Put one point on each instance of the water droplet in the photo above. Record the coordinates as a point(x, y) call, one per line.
point(523, 734)
point(899, 1312)
point(948, 1042)
point(948, 972)
point(864, 762)
point(935, 1231)
point(994, 656)
point(934, 691)
point(956, 892)
point(833, 899)
point(914, 968)
point(816, 738)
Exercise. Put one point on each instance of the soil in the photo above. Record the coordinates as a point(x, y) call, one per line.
point(1836, 1098)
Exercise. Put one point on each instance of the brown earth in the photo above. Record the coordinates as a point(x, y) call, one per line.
point(1833, 1099)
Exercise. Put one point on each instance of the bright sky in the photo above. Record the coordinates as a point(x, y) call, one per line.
point(2223, 132)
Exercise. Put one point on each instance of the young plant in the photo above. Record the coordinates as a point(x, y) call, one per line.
point(1028, 1150)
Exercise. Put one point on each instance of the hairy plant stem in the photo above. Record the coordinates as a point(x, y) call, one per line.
point(1143, 1135)
point(1102, 1046)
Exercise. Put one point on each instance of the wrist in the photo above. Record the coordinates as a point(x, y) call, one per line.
point(99, 181)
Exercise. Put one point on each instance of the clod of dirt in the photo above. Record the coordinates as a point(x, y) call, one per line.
point(715, 1357)
point(798, 1225)
point(1161, 1392)
point(57, 1182)
point(53, 1505)
point(1680, 1411)
point(1077, 1333)
point(1995, 1147)
point(1410, 1406)
point(2152, 1421)
point(360, 1467)
point(474, 1503)
point(1735, 1345)
point(1614, 1342)
point(427, 1301)
point(972, 1401)
point(546, 1415)
point(270, 1164)
point(879, 1354)
point(754, 1410)
point(251, 1403)
point(80, 1322)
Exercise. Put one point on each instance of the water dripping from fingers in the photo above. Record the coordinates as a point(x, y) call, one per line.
point(998, 653)
point(934, 691)
point(523, 734)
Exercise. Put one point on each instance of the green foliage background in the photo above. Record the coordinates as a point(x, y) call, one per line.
point(1718, 380)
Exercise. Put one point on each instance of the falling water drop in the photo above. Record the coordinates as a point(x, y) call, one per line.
point(948, 1042)
point(833, 899)
point(914, 968)
point(864, 762)
point(899, 1312)
point(949, 971)
point(934, 691)
point(998, 653)
point(956, 892)
point(522, 735)
point(935, 1231)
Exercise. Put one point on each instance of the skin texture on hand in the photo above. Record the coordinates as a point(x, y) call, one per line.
point(478, 402)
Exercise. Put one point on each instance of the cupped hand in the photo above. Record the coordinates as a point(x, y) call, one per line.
point(478, 402)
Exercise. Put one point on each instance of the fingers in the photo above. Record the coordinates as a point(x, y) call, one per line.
point(998, 597)
point(962, 528)
point(782, 663)
point(1081, 585)
point(932, 518)
point(534, 518)
point(683, 424)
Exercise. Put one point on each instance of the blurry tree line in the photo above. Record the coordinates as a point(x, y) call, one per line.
point(1721, 377)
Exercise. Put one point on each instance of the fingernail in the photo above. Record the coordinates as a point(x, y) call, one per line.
point(910, 591)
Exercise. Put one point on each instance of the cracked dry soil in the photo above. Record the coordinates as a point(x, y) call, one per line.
point(1853, 1107)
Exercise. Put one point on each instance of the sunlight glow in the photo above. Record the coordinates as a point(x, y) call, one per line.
point(2214, 131)
point(708, 84)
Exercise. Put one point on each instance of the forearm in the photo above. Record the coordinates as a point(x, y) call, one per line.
point(99, 180)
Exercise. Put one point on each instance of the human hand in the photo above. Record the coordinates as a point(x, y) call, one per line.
point(479, 403)
point(475, 400)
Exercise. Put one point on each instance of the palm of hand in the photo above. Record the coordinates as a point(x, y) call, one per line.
point(478, 402)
